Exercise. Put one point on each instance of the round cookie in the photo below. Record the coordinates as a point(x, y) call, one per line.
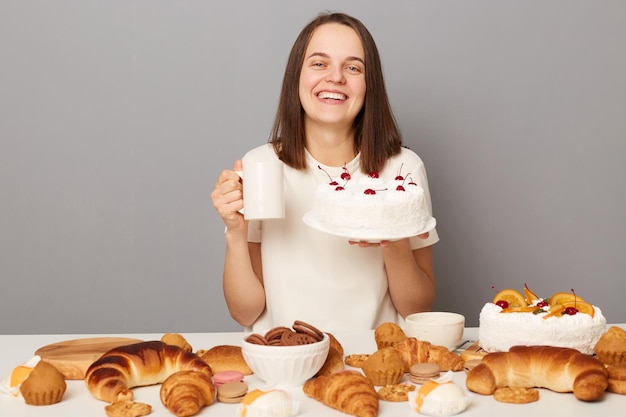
point(274, 335)
point(232, 392)
point(256, 339)
point(295, 338)
point(420, 373)
point(302, 327)
point(395, 392)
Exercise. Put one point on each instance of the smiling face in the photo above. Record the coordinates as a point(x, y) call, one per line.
point(332, 80)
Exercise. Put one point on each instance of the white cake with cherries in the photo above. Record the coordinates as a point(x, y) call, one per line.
point(540, 323)
point(370, 208)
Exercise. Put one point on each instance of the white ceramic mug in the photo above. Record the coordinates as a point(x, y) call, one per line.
point(440, 328)
point(263, 194)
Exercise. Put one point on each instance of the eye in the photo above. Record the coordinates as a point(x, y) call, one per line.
point(354, 68)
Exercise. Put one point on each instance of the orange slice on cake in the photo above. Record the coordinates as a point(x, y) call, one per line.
point(511, 296)
point(564, 297)
point(581, 306)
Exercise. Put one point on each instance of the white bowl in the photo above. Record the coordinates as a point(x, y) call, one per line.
point(440, 328)
point(285, 366)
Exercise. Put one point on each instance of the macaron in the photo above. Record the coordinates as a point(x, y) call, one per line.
point(421, 373)
point(232, 392)
point(224, 377)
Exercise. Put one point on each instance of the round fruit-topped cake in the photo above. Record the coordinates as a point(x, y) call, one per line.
point(370, 207)
point(563, 320)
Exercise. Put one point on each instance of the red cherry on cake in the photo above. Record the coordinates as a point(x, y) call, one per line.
point(399, 177)
point(502, 304)
point(373, 174)
point(542, 304)
point(332, 182)
point(345, 175)
point(571, 311)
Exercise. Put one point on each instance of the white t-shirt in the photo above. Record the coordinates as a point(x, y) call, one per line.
point(316, 277)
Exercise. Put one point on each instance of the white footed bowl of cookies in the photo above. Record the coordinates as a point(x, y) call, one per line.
point(284, 357)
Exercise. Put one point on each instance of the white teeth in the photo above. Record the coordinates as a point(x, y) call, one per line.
point(334, 96)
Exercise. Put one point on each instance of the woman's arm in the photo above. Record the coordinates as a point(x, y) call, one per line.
point(242, 278)
point(410, 275)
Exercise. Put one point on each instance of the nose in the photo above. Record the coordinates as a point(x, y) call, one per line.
point(335, 75)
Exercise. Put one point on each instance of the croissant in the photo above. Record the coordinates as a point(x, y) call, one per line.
point(347, 391)
point(555, 368)
point(185, 393)
point(111, 377)
point(415, 351)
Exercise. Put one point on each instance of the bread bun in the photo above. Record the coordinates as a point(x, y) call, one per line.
point(225, 358)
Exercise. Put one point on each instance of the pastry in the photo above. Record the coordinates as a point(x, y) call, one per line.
point(447, 361)
point(333, 362)
point(395, 392)
point(611, 347)
point(176, 339)
point(412, 351)
point(516, 395)
point(356, 359)
point(111, 377)
point(617, 378)
point(554, 368)
point(44, 385)
point(347, 391)
point(224, 377)
point(470, 364)
point(232, 392)
point(420, 373)
point(384, 367)
point(186, 393)
point(388, 333)
point(127, 408)
point(225, 358)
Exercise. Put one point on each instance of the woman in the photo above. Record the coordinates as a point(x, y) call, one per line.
point(333, 113)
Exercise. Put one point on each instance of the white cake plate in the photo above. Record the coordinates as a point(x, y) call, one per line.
point(365, 235)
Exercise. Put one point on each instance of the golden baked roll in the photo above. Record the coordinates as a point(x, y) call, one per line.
point(225, 358)
point(555, 368)
point(388, 333)
point(611, 347)
point(44, 385)
point(185, 393)
point(384, 367)
point(111, 377)
point(347, 391)
point(412, 351)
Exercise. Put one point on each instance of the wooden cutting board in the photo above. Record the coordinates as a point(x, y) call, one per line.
point(73, 357)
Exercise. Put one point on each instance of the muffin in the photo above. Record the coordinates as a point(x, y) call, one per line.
point(387, 334)
point(384, 367)
point(617, 378)
point(611, 347)
point(44, 386)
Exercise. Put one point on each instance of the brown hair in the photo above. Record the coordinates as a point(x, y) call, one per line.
point(376, 133)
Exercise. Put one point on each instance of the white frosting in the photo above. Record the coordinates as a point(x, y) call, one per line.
point(497, 331)
point(388, 212)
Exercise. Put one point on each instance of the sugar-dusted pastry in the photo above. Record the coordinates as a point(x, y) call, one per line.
point(347, 391)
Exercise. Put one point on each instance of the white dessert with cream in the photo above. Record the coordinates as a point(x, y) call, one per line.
point(440, 397)
point(371, 207)
point(271, 403)
point(498, 330)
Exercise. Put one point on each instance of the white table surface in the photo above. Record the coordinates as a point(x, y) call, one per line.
point(17, 349)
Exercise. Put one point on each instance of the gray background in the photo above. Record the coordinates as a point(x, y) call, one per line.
point(117, 116)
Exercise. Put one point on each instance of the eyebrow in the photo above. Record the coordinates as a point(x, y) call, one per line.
point(322, 54)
